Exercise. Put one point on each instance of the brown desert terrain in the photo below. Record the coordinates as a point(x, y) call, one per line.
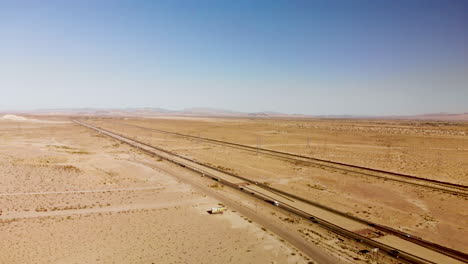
point(68, 195)
point(71, 195)
point(433, 150)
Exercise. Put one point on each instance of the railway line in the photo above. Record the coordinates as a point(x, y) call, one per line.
point(393, 242)
point(450, 188)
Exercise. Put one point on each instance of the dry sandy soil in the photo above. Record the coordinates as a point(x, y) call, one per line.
point(69, 195)
point(436, 150)
point(432, 150)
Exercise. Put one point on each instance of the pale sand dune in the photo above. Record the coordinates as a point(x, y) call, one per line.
point(31, 120)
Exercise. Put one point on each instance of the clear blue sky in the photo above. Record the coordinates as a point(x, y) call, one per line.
point(311, 57)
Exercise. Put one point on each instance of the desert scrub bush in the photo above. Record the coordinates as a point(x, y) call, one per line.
point(315, 186)
point(224, 168)
point(111, 173)
point(215, 186)
point(61, 147)
point(68, 168)
point(80, 152)
point(290, 220)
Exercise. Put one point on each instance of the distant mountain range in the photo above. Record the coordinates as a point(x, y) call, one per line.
point(214, 112)
point(435, 116)
point(154, 112)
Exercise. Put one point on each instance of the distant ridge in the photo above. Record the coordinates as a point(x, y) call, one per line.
point(215, 112)
point(154, 112)
point(435, 116)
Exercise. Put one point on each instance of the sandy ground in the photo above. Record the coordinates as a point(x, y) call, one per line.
point(68, 195)
point(436, 150)
point(406, 147)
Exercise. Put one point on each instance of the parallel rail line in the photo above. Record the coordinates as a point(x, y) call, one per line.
point(447, 187)
point(402, 255)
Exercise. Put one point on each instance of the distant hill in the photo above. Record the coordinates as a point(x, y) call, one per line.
point(154, 112)
point(433, 117)
point(436, 116)
point(215, 112)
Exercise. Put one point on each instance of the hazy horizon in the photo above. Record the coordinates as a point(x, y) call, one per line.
point(294, 57)
point(207, 110)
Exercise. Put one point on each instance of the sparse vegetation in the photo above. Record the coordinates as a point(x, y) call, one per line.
point(79, 152)
point(68, 168)
point(50, 170)
point(61, 147)
point(316, 186)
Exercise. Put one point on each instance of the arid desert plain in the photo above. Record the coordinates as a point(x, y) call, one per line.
point(72, 194)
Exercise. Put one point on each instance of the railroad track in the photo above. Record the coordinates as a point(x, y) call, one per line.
point(446, 187)
point(422, 251)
